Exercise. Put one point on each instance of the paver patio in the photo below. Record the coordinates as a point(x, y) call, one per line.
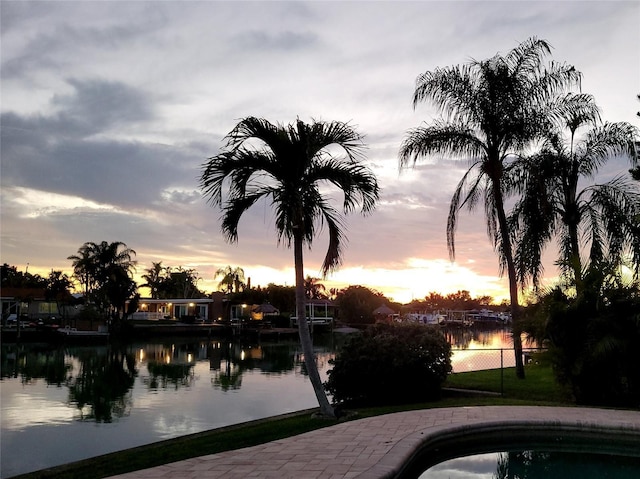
point(377, 447)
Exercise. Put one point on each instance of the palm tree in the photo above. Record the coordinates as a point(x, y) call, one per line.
point(83, 267)
point(313, 289)
point(100, 264)
point(154, 277)
point(232, 279)
point(289, 168)
point(493, 110)
point(603, 216)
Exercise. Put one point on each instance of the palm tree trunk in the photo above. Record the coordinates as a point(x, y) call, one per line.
point(513, 281)
point(574, 257)
point(303, 331)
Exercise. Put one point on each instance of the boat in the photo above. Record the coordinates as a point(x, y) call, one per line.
point(68, 333)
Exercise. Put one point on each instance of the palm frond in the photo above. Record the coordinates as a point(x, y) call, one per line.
point(615, 211)
point(235, 208)
point(356, 182)
point(604, 142)
point(320, 135)
point(456, 204)
point(527, 57)
point(449, 89)
point(456, 140)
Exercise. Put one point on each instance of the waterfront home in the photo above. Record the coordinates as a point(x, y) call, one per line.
point(320, 312)
point(184, 309)
point(27, 303)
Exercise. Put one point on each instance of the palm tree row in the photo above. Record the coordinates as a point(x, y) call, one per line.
point(166, 282)
point(494, 113)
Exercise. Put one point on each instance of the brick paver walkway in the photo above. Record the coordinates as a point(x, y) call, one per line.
point(376, 447)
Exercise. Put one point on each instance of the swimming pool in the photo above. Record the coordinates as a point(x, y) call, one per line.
point(532, 450)
point(537, 464)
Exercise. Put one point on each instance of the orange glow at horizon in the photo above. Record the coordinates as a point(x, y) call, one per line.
point(411, 281)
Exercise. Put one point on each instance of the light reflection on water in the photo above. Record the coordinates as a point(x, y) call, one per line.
point(589, 463)
point(86, 401)
point(480, 466)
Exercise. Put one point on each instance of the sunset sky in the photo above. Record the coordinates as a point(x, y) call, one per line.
point(109, 109)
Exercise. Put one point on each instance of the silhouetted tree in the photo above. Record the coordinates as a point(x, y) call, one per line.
point(558, 202)
point(289, 168)
point(493, 110)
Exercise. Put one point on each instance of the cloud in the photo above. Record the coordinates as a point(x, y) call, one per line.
point(284, 41)
point(109, 110)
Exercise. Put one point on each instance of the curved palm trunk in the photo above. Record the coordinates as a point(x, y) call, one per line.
point(303, 331)
point(513, 282)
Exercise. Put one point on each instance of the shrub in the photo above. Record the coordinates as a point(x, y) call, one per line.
point(594, 341)
point(390, 364)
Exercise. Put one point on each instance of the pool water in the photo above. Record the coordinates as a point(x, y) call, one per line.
point(534, 464)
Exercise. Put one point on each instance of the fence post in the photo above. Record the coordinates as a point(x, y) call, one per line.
point(501, 372)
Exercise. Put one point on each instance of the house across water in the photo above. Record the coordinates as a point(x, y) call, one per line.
point(183, 309)
point(320, 312)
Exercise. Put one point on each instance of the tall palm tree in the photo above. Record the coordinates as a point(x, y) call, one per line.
point(555, 201)
point(289, 168)
point(493, 109)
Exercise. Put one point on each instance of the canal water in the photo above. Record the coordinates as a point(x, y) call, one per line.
point(69, 403)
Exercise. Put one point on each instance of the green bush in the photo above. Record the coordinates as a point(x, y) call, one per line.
point(390, 364)
point(593, 343)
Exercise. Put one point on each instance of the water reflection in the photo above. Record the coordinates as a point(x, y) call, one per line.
point(108, 398)
point(101, 388)
point(478, 337)
point(33, 363)
point(99, 380)
point(168, 366)
point(536, 464)
point(113, 397)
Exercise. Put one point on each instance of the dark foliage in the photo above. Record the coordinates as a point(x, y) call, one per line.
point(390, 364)
point(594, 340)
point(278, 321)
point(356, 304)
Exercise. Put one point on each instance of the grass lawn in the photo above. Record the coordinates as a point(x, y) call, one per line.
point(539, 388)
point(539, 383)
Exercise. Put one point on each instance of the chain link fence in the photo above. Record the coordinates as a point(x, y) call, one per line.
point(494, 360)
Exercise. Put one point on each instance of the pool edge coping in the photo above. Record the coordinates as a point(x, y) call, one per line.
point(404, 453)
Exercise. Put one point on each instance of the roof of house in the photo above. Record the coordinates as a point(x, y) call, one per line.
point(384, 310)
point(266, 308)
